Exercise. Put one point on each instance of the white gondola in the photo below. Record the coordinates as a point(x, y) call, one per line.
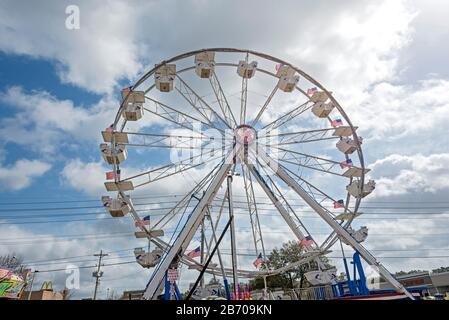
point(355, 172)
point(164, 77)
point(287, 78)
point(119, 137)
point(149, 234)
point(133, 105)
point(360, 235)
point(347, 145)
point(319, 96)
point(343, 131)
point(321, 277)
point(133, 112)
point(322, 110)
point(356, 191)
point(107, 152)
point(117, 207)
point(148, 259)
point(205, 64)
point(246, 70)
point(119, 186)
point(345, 216)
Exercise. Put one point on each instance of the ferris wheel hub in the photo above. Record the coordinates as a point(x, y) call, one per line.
point(245, 134)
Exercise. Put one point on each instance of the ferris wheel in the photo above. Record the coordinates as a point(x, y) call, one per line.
point(242, 133)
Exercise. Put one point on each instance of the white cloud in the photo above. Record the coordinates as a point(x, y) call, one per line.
point(94, 57)
point(356, 48)
point(85, 177)
point(43, 123)
point(398, 174)
point(360, 40)
point(392, 112)
point(353, 49)
point(21, 174)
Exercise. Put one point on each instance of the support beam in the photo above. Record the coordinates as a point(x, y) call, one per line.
point(187, 233)
point(231, 220)
point(323, 213)
point(253, 213)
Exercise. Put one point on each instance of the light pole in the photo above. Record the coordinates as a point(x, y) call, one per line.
point(31, 284)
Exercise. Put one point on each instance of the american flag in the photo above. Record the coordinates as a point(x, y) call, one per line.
point(339, 204)
point(194, 253)
point(126, 90)
point(306, 241)
point(258, 261)
point(144, 222)
point(278, 66)
point(110, 128)
point(336, 123)
point(311, 90)
point(112, 175)
point(346, 164)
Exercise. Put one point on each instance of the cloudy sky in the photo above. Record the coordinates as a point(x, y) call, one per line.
point(385, 61)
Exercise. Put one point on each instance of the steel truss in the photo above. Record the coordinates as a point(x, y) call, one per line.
point(258, 168)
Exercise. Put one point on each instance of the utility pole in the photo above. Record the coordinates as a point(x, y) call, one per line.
point(231, 217)
point(98, 274)
point(31, 284)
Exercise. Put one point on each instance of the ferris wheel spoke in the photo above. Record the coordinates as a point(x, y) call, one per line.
point(159, 140)
point(244, 96)
point(253, 213)
point(184, 202)
point(346, 222)
point(289, 116)
point(298, 137)
point(214, 237)
point(175, 116)
point(170, 169)
point(265, 105)
point(224, 201)
point(314, 163)
point(282, 205)
point(317, 194)
point(222, 101)
point(198, 103)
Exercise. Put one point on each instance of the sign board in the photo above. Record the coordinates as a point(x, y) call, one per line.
point(11, 284)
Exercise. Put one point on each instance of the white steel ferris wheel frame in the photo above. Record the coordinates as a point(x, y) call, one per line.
point(216, 177)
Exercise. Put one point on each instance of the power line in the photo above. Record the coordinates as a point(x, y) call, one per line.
point(74, 257)
point(164, 196)
point(26, 241)
point(8, 219)
point(240, 254)
point(88, 267)
point(249, 251)
point(216, 206)
point(236, 201)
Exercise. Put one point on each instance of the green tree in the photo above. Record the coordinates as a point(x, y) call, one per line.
point(441, 270)
point(290, 252)
point(12, 262)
